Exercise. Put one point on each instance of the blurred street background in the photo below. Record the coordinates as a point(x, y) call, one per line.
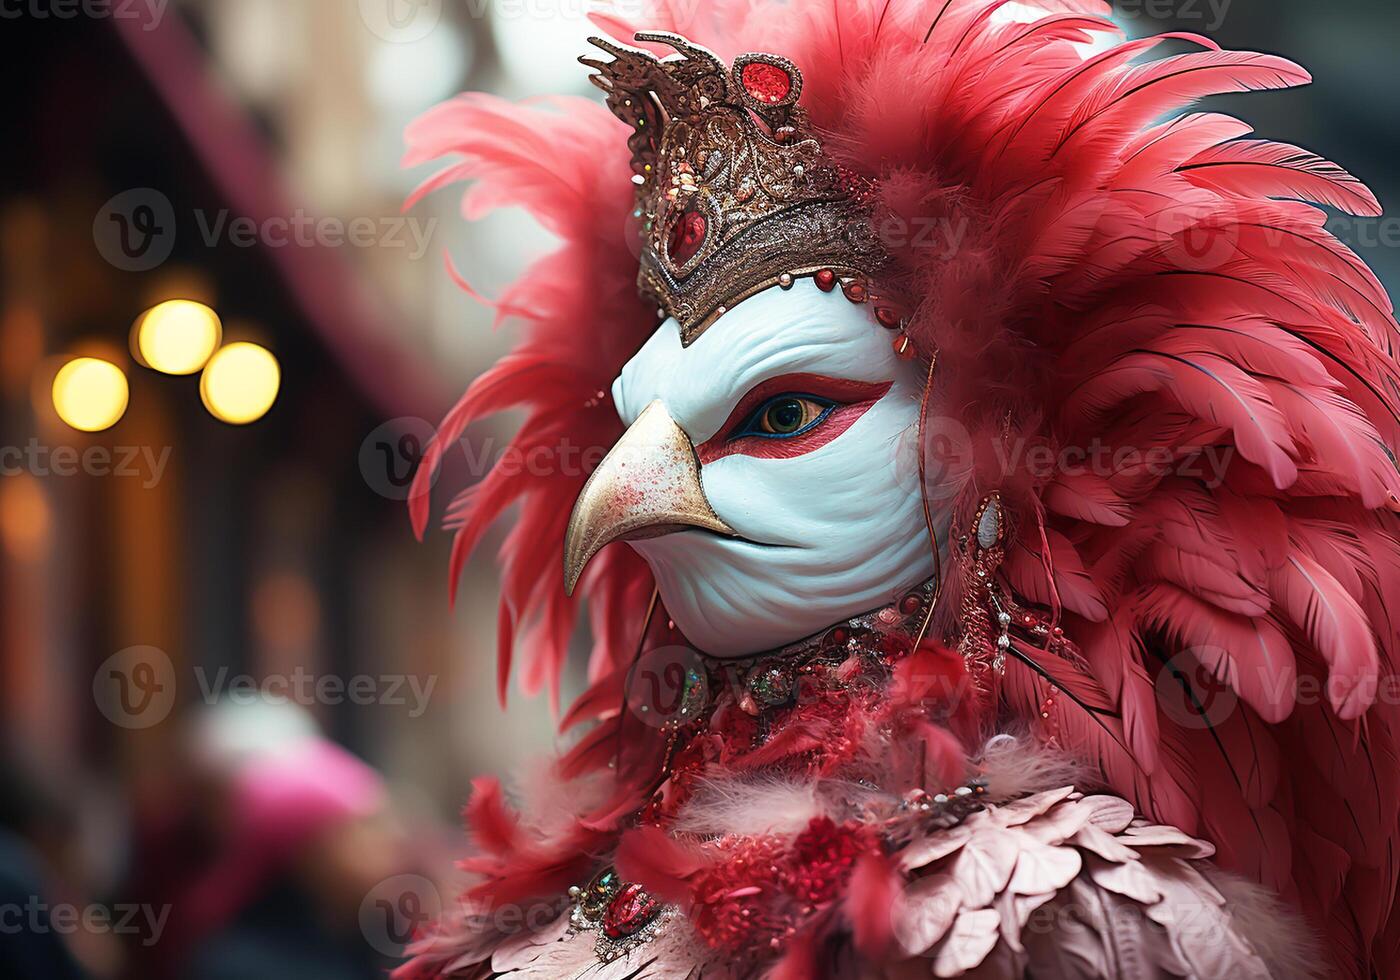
point(239, 714)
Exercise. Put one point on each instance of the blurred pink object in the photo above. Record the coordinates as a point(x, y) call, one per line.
point(280, 799)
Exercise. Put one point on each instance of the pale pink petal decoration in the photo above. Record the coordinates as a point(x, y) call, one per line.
point(1072, 886)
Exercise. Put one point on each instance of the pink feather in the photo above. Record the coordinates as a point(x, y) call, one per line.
point(871, 893)
point(1257, 168)
point(1072, 582)
point(648, 855)
point(1336, 626)
point(1251, 654)
point(1144, 93)
point(495, 829)
point(1159, 151)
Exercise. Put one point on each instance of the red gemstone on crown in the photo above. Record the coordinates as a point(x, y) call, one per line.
point(856, 292)
point(887, 317)
point(826, 280)
point(629, 912)
point(687, 237)
point(765, 82)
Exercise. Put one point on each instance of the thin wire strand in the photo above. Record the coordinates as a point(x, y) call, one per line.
point(928, 512)
point(636, 657)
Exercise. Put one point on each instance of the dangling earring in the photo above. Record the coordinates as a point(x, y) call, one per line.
point(985, 620)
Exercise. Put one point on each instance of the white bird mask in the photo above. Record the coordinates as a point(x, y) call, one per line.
point(768, 475)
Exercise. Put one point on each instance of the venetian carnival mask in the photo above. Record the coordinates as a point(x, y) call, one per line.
point(894, 772)
point(767, 474)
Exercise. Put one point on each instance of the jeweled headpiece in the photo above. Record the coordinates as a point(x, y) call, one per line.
point(733, 191)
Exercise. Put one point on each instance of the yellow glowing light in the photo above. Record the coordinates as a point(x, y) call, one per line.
point(240, 383)
point(178, 336)
point(90, 394)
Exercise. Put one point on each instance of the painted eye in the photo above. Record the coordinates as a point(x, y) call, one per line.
point(786, 416)
point(782, 418)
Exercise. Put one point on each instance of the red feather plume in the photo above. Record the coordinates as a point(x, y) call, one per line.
point(1164, 291)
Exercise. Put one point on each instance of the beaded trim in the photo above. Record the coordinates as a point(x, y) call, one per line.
point(769, 679)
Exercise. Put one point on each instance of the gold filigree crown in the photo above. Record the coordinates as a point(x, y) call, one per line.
point(734, 193)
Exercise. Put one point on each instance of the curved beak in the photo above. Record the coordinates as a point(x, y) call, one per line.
point(649, 485)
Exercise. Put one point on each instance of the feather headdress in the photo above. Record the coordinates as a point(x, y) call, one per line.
point(1183, 387)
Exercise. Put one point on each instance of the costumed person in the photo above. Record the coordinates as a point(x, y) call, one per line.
point(991, 573)
point(292, 832)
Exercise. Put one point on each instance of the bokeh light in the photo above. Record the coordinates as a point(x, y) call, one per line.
point(418, 73)
point(240, 383)
point(24, 517)
point(90, 394)
point(178, 336)
point(539, 54)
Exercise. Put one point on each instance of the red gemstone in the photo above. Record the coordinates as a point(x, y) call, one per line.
point(856, 292)
point(826, 280)
point(765, 82)
point(687, 236)
point(629, 912)
point(887, 317)
point(904, 348)
point(910, 604)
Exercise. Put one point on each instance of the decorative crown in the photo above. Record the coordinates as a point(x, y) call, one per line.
point(734, 194)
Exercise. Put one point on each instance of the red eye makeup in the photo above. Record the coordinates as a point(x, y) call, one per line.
point(791, 416)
